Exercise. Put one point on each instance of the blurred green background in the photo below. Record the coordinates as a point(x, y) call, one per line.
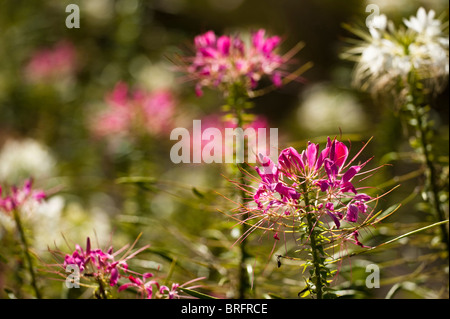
point(45, 133)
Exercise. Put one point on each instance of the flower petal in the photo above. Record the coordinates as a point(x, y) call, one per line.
point(311, 153)
point(335, 219)
point(341, 154)
point(351, 172)
point(352, 213)
point(114, 277)
point(223, 45)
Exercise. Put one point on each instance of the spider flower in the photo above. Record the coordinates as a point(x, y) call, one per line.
point(24, 198)
point(98, 264)
point(388, 54)
point(221, 61)
point(145, 287)
point(322, 176)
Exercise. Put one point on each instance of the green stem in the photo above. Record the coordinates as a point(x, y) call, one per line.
point(422, 127)
point(311, 221)
point(101, 289)
point(23, 239)
point(237, 99)
point(243, 273)
point(431, 174)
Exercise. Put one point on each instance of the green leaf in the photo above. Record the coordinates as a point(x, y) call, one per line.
point(383, 214)
point(197, 193)
point(136, 180)
point(399, 237)
point(305, 294)
point(196, 294)
point(144, 182)
point(162, 253)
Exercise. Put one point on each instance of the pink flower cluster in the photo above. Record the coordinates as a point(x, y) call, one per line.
point(97, 262)
point(100, 265)
point(20, 197)
point(131, 111)
point(325, 174)
point(52, 63)
point(226, 60)
point(145, 286)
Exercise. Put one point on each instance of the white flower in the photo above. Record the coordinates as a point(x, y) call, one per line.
point(46, 222)
point(429, 52)
point(431, 58)
point(381, 62)
point(424, 23)
point(377, 25)
point(388, 55)
point(21, 159)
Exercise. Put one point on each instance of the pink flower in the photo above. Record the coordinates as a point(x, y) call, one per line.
point(99, 264)
point(337, 155)
point(159, 110)
point(52, 64)
point(129, 112)
point(96, 261)
point(172, 292)
point(269, 172)
point(226, 60)
point(20, 197)
point(144, 286)
point(282, 186)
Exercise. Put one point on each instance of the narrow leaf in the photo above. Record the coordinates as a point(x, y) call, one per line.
point(196, 294)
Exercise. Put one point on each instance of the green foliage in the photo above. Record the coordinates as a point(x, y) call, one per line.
point(114, 190)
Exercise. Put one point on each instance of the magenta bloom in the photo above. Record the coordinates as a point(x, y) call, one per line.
point(144, 286)
point(172, 292)
point(96, 262)
point(226, 60)
point(20, 197)
point(135, 111)
point(323, 173)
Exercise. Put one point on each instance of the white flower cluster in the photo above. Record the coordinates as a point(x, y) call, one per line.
point(22, 159)
point(389, 54)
